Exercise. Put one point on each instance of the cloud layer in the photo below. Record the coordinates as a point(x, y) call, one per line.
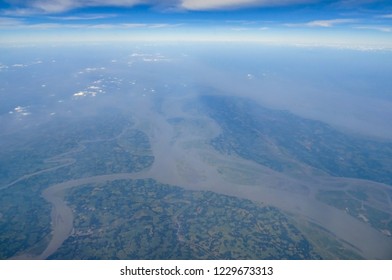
point(322, 23)
point(227, 4)
point(299, 21)
point(60, 6)
point(24, 7)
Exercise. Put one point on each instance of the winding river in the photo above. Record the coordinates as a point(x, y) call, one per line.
point(197, 167)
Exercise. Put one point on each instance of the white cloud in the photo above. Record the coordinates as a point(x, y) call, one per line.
point(87, 92)
point(3, 66)
point(353, 3)
point(387, 16)
point(83, 17)
point(21, 111)
point(18, 24)
point(157, 57)
point(79, 94)
point(227, 4)
point(7, 22)
point(59, 6)
point(214, 4)
point(91, 69)
point(19, 65)
point(19, 12)
point(321, 23)
point(376, 27)
point(129, 25)
point(328, 23)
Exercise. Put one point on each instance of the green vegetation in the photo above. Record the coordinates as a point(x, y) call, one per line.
point(324, 242)
point(281, 141)
point(24, 220)
point(130, 152)
point(143, 219)
point(356, 204)
point(32, 149)
point(59, 151)
point(284, 142)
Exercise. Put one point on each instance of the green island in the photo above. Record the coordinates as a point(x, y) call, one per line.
point(143, 219)
point(279, 139)
point(285, 142)
point(358, 204)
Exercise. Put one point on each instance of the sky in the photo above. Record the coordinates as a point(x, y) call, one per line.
point(351, 23)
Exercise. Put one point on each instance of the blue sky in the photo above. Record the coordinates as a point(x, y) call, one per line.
point(365, 23)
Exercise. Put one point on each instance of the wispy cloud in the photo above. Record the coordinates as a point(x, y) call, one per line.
point(376, 27)
point(83, 17)
point(131, 26)
point(321, 23)
point(13, 24)
point(329, 23)
point(386, 16)
point(9, 22)
point(227, 4)
point(59, 6)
